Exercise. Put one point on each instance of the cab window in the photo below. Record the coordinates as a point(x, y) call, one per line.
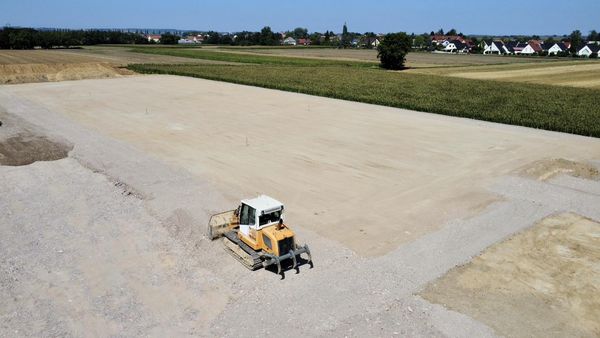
point(270, 217)
point(251, 216)
point(248, 215)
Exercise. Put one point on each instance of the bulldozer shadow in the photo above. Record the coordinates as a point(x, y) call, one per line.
point(288, 265)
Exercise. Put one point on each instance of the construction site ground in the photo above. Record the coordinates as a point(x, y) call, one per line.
point(415, 220)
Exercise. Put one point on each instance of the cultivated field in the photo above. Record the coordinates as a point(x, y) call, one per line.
point(535, 70)
point(414, 60)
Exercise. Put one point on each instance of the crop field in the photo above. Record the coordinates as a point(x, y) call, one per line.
point(415, 59)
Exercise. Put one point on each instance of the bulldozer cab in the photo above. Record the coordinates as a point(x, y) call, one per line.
point(258, 213)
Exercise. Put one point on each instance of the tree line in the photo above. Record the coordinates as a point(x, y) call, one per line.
point(28, 38)
point(266, 37)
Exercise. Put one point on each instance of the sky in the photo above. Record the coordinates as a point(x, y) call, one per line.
point(468, 16)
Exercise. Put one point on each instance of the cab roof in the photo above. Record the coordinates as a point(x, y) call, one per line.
point(263, 203)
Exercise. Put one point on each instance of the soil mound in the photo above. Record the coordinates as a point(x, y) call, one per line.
point(25, 148)
point(546, 169)
point(25, 73)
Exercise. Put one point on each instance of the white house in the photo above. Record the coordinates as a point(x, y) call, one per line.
point(445, 43)
point(153, 37)
point(588, 50)
point(373, 42)
point(289, 41)
point(557, 48)
point(495, 47)
point(185, 41)
point(531, 48)
point(456, 46)
point(514, 47)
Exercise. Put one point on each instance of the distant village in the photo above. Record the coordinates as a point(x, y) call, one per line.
point(436, 43)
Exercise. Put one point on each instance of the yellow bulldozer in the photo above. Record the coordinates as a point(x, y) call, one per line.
point(256, 235)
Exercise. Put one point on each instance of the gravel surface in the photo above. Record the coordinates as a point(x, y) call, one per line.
point(109, 241)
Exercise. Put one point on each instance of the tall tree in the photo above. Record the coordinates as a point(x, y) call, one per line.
point(267, 37)
point(393, 49)
point(299, 33)
point(169, 39)
point(419, 41)
point(576, 41)
point(451, 32)
point(345, 37)
point(594, 36)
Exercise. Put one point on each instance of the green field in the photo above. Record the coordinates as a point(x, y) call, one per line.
point(215, 55)
point(571, 110)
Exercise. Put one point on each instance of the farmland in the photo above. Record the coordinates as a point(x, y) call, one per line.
point(534, 70)
point(578, 73)
point(23, 66)
point(416, 59)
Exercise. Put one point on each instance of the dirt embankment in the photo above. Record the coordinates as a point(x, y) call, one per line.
point(24, 73)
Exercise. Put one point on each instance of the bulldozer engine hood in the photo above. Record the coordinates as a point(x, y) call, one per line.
point(278, 235)
point(282, 239)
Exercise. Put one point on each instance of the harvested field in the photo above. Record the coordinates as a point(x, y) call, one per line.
point(60, 56)
point(90, 54)
point(397, 158)
point(586, 75)
point(542, 282)
point(580, 73)
point(24, 66)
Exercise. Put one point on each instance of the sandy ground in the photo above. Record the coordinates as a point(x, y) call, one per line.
point(366, 176)
point(110, 238)
point(542, 282)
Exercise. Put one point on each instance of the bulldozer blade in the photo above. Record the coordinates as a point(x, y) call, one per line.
point(220, 224)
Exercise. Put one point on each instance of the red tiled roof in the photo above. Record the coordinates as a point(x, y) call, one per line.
point(535, 45)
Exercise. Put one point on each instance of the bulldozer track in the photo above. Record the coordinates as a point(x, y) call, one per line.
point(241, 251)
